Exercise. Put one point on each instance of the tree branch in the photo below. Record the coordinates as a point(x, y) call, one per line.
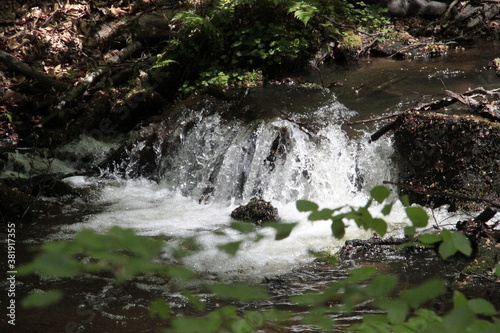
point(16, 65)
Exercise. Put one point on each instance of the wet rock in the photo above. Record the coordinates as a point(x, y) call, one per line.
point(404, 46)
point(257, 210)
point(14, 202)
point(446, 158)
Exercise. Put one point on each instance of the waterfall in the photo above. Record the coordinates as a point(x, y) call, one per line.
point(205, 168)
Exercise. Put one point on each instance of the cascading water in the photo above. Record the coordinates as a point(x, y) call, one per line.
point(218, 164)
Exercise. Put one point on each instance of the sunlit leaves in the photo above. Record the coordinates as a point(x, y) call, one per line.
point(303, 10)
point(43, 299)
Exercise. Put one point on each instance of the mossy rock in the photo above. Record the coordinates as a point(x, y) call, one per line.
point(449, 156)
point(257, 210)
point(487, 256)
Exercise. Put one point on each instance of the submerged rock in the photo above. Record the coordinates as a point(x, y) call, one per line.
point(257, 210)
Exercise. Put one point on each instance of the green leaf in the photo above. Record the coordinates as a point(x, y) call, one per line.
point(306, 206)
point(39, 300)
point(240, 292)
point(446, 248)
point(459, 299)
point(454, 242)
point(397, 310)
point(381, 285)
point(380, 193)
point(319, 318)
point(283, 230)
point(380, 226)
point(52, 264)
point(405, 200)
point(418, 216)
point(462, 243)
point(231, 247)
point(179, 272)
point(497, 269)
point(338, 228)
point(459, 319)
point(387, 208)
point(361, 273)
point(482, 307)
point(430, 238)
point(409, 231)
point(194, 300)
point(323, 214)
point(417, 296)
point(243, 227)
point(160, 308)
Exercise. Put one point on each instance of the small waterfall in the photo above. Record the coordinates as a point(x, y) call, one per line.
point(278, 159)
point(205, 167)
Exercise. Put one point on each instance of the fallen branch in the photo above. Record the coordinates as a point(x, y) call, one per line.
point(371, 120)
point(484, 109)
point(393, 125)
point(16, 65)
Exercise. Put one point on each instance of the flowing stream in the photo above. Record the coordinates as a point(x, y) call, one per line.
point(220, 164)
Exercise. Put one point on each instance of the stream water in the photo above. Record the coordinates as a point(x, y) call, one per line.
point(338, 167)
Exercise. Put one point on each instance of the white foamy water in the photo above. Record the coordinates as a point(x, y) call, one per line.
point(223, 164)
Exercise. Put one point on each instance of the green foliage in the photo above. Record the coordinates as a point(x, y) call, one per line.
point(126, 255)
point(40, 300)
point(450, 243)
point(370, 17)
point(237, 42)
point(362, 216)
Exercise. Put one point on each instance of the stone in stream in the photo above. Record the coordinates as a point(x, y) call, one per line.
point(257, 210)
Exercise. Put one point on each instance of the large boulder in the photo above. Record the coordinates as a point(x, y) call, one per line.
point(257, 210)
